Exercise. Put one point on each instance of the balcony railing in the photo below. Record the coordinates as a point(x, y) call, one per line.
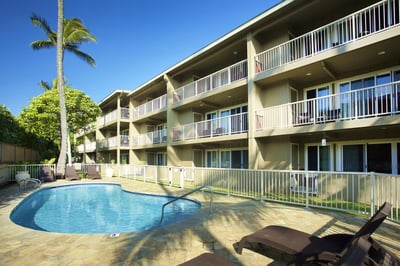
point(86, 130)
point(87, 147)
point(216, 80)
point(150, 106)
point(112, 117)
point(227, 125)
point(154, 137)
point(378, 17)
point(107, 143)
point(124, 141)
point(382, 100)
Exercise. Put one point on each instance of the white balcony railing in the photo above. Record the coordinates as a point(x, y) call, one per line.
point(112, 117)
point(227, 125)
point(87, 147)
point(150, 106)
point(378, 17)
point(124, 141)
point(374, 101)
point(107, 143)
point(218, 79)
point(154, 137)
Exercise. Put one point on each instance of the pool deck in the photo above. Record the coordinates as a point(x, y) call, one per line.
point(231, 219)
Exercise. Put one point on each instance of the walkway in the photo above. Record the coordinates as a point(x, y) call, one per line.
point(174, 244)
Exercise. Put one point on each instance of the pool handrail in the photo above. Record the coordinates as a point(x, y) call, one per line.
point(184, 195)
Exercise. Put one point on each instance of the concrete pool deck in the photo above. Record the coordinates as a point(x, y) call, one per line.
point(231, 219)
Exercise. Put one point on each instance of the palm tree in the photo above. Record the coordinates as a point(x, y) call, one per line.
point(70, 34)
point(74, 34)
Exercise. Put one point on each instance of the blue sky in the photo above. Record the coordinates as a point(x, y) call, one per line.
point(136, 40)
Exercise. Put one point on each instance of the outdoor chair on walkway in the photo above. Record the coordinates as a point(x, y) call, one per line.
point(45, 174)
point(24, 180)
point(92, 172)
point(292, 246)
point(70, 173)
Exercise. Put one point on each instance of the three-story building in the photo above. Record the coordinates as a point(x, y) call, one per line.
point(311, 85)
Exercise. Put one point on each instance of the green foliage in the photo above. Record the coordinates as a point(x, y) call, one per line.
point(12, 132)
point(9, 129)
point(42, 116)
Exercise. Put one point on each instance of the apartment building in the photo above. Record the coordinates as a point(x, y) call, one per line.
point(307, 84)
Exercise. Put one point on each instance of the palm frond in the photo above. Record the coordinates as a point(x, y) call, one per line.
point(85, 57)
point(41, 23)
point(45, 85)
point(40, 44)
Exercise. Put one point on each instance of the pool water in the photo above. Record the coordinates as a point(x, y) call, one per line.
point(98, 208)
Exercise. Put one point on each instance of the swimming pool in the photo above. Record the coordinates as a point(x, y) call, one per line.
point(98, 208)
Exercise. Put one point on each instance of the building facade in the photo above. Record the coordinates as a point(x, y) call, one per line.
point(305, 85)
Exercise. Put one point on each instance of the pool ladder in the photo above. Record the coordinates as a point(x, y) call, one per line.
point(184, 195)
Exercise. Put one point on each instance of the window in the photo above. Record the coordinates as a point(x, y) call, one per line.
point(317, 108)
point(239, 159)
point(228, 159)
point(161, 158)
point(211, 159)
point(379, 158)
point(368, 157)
point(353, 158)
point(319, 158)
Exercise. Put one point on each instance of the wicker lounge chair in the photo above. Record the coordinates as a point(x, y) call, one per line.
point(70, 173)
point(292, 246)
point(92, 172)
point(45, 174)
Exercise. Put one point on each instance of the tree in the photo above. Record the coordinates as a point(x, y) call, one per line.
point(11, 132)
point(70, 35)
point(9, 128)
point(42, 116)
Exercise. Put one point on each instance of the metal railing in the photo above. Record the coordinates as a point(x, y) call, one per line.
point(345, 191)
point(227, 125)
point(381, 100)
point(108, 143)
point(375, 18)
point(211, 82)
point(112, 117)
point(184, 196)
point(357, 192)
point(154, 137)
point(32, 169)
point(87, 147)
point(150, 106)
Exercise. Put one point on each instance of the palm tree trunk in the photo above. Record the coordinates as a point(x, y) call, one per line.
point(60, 85)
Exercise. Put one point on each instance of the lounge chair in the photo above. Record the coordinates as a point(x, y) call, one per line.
point(70, 173)
point(292, 246)
point(208, 259)
point(24, 180)
point(45, 174)
point(92, 172)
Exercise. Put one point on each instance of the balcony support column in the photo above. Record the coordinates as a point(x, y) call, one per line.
point(172, 121)
point(253, 102)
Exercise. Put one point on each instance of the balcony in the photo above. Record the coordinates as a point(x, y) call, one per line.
point(216, 80)
point(87, 147)
point(151, 106)
point(86, 130)
point(107, 143)
point(382, 100)
point(380, 16)
point(149, 138)
point(112, 117)
point(227, 125)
